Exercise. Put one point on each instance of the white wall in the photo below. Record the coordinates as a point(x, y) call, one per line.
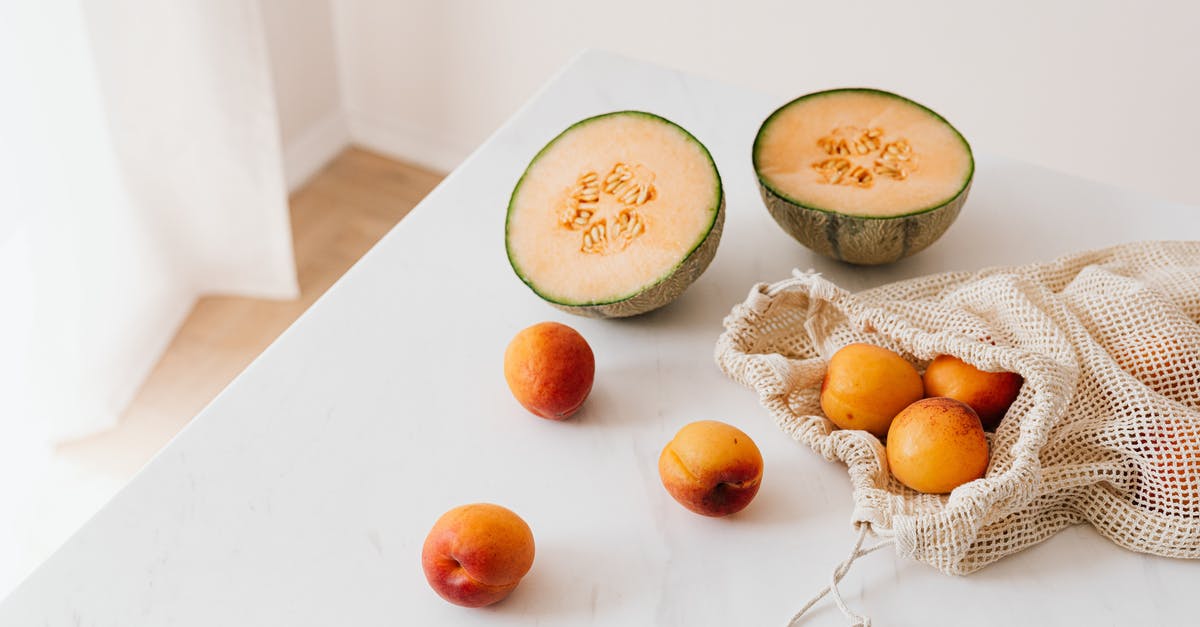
point(1106, 89)
point(312, 127)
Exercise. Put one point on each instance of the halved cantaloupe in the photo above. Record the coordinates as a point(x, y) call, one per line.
point(616, 216)
point(862, 175)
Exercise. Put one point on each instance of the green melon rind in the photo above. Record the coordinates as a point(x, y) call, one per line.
point(671, 284)
point(859, 240)
point(862, 240)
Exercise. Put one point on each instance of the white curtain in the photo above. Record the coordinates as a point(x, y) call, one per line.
point(140, 168)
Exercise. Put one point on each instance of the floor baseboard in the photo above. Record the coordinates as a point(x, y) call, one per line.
point(405, 142)
point(314, 148)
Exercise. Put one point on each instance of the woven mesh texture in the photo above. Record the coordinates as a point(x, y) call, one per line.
point(1106, 429)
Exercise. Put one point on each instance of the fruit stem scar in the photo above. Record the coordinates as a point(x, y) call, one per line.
point(738, 484)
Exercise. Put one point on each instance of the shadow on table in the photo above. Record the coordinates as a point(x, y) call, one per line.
point(557, 587)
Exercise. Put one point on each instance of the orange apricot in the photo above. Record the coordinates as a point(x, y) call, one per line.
point(865, 387)
point(936, 445)
point(989, 393)
point(475, 555)
point(549, 368)
point(711, 468)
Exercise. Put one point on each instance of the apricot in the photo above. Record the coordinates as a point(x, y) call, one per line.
point(475, 555)
point(1179, 468)
point(989, 393)
point(866, 386)
point(711, 468)
point(550, 368)
point(936, 445)
point(1170, 480)
point(1164, 364)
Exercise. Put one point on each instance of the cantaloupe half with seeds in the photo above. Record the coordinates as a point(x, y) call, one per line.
point(616, 216)
point(862, 175)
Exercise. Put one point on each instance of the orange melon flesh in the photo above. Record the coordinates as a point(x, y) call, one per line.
point(579, 235)
point(799, 138)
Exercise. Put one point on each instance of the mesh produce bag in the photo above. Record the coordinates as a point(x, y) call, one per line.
point(1106, 429)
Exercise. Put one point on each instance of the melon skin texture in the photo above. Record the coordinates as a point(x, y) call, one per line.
point(857, 240)
point(877, 236)
point(645, 286)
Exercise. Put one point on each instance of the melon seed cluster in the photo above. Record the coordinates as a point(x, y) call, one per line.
point(852, 149)
point(607, 210)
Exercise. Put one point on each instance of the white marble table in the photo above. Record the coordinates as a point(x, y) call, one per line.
point(302, 495)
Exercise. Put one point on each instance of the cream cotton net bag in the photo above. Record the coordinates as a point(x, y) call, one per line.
point(1106, 429)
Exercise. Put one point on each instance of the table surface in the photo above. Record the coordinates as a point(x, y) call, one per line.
point(302, 494)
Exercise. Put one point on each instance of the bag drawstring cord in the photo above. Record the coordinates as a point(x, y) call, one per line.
point(856, 619)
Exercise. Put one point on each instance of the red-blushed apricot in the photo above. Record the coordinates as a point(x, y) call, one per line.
point(475, 555)
point(550, 368)
point(865, 387)
point(711, 468)
point(936, 445)
point(989, 393)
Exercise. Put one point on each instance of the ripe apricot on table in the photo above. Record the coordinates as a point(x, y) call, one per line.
point(549, 368)
point(476, 554)
point(711, 468)
point(865, 387)
point(989, 393)
point(936, 445)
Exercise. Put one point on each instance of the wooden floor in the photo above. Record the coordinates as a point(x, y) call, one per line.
point(336, 218)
